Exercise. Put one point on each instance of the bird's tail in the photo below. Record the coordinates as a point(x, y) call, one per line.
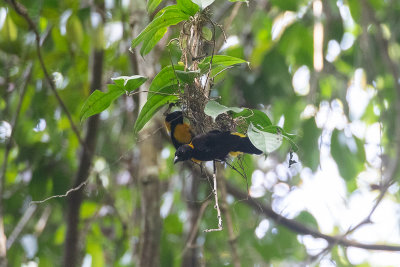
point(244, 145)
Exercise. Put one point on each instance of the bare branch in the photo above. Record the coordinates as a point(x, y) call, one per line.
point(59, 196)
point(299, 228)
point(216, 203)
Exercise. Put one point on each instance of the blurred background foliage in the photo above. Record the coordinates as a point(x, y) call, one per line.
point(344, 114)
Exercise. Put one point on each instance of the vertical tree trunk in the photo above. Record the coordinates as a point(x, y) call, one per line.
point(74, 200)
point(150, 146)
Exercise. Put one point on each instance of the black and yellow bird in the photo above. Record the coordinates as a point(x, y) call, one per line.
point(215, 145)
point(179, 131)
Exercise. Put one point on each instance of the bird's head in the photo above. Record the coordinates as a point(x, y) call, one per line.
point(183, 153)
point(174, 117)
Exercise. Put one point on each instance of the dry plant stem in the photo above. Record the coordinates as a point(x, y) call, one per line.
point(215, 191)
point(20, 225)
point(299, 228)
point(229, 221)
point(60, 196)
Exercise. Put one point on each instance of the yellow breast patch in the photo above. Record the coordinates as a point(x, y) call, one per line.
point(182, 133)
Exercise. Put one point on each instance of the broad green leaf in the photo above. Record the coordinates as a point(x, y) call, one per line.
point(307, 219)
point(9, 30)
point(203, 3)
point(309, 144)
point(98, 101)
point(188, 7)
point(166, 17)
point(213, 109)
point(219, 62)
point(266, 142)
point(153, 104)
point(75, 33)
point(187, 76)
point(349, 156)
point(259, 119)
point(129, 83)
point(166, 77)
point(152, 5)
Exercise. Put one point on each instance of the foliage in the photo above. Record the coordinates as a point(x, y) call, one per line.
point(343, 123)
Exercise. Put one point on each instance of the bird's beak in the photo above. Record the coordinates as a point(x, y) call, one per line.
point(176, 159)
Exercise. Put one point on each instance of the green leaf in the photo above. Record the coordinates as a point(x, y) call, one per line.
point(203, 3)
point(213, 109)
point(307, 219)
point(259, 119)
point(188, 7)
point(187, 76)
point(153, 104)
point(98, 101)
point(219, 62)
point(150, 36)
point(309, 144)
point(265, 141)
point(129, 83)
point(152, 5)
point(166, 77)
point(349, 156)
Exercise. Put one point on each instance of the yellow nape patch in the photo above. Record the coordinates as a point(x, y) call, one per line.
point(196, 160)
point(182, 133)
point(235, 153)
point(168, 126)
point(191, 145)
point(239, 134)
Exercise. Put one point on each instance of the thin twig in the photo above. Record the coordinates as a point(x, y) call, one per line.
point(148, 91)
point(193, 234)
point(20, 225)
point(215, 191)
point(21, 10)
point(60, 196)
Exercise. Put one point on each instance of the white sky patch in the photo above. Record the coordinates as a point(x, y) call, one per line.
point(301, 81)
point(358, 95)
point(347, 41)
point(333, 51)
point(3, 15)
point(40, 126)
point(262, 228)
point(95, 19)
point(112, 32)
point(308, 112)
point(63, 21)
point(87, 261)
point(313, 245)
point(167, 201)
point(5, 131)
point(230, 42)
point(281, 22)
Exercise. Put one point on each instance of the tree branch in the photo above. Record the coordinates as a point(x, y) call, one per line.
point(299, 228)
point(21, 10)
